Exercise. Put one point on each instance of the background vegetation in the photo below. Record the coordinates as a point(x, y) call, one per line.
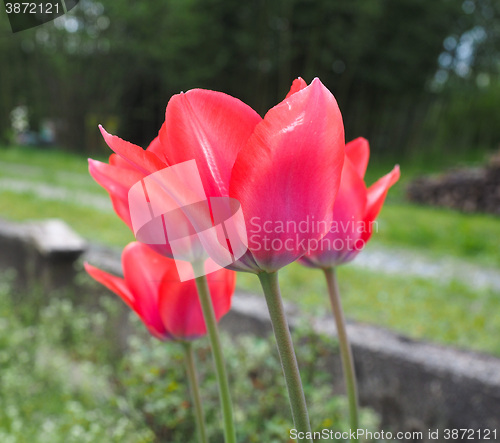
point(415, 77)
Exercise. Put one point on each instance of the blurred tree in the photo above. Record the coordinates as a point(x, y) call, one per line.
point(396, 67)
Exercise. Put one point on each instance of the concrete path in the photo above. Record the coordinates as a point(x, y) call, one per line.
point(409, 262)
point(57, 193)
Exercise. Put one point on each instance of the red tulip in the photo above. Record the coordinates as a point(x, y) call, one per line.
point(355, 210)
point(117, 178)
point(284, 169)
point(287, 175)
point(170, 309)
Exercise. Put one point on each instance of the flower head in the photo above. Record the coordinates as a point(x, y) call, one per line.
point(169, 308)
point(284, 168)
point(355, 210)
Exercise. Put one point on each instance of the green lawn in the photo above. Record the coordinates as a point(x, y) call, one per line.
point(50, 158)
point(449, 313)
point(63, 170)
point(440, 232)
point(94, 225)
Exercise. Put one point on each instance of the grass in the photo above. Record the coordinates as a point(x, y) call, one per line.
point(441, 232)
point(67, 171)
point(50, 159)
point(448, 313)
point(94, 225)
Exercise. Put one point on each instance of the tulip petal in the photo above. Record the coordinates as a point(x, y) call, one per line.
point(297, 85)
point(376, 197)
point(358, 151)
point(210, 127)
point(143, 270)
point(157, 148)
point(289, 173)
point(348, 218)
point(180, 305)
point(144, 161)
point(117, 181)
point(116, 160)
point(351, 200)
point(113, 283)
point(119, 287)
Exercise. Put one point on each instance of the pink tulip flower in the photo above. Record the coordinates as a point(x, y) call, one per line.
point(355, 210)
point(284, 169)
point(170, 309)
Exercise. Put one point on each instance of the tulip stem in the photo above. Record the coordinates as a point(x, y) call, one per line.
point(195, 392)
point(220, 368)
point(345, 347)
point(270, 285)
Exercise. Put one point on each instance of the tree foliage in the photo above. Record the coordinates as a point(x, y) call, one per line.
point(394, 66)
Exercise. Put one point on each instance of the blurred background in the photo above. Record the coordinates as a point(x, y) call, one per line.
point(416, 78)
point(419, 79)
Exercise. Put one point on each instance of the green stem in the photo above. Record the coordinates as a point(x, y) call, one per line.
point(270, 285)
point(195, 393)
point(220, 368)
point(345, 347)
